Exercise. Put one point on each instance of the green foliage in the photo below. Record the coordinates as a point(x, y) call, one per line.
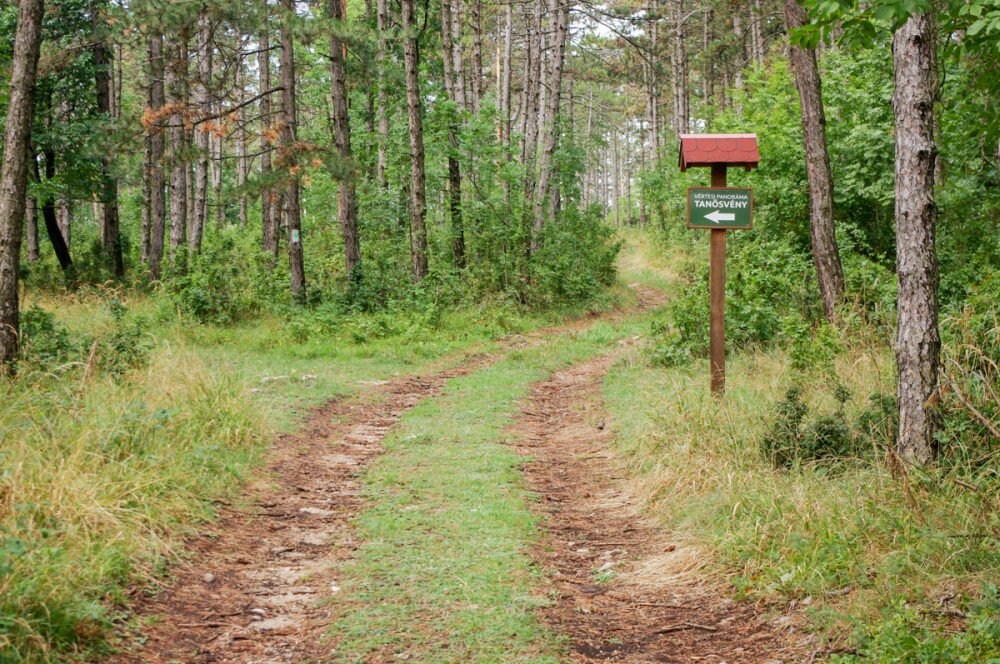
point(230, 281)
point(127, 345)
point(766, 282)
point(795, 438)
point(907, 635)
point(810, 347)
point(44, 342)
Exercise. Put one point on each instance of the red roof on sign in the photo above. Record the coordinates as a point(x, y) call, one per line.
point(727, 149)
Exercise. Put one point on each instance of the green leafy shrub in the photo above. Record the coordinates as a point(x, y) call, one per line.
point(766, 282)
point(229, 281)
point(44, 342)
point(812, 347)
point(127, 345)
point(794, 437)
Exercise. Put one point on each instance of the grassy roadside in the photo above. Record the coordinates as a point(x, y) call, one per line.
point(105, 465)
point(443, 574)
point(886, 570)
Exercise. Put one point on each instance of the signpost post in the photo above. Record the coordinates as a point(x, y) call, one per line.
point(718, 208)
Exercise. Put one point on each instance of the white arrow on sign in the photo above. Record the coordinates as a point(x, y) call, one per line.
point(718, 217)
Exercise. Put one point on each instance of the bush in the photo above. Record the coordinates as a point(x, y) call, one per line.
point(44, 342)
point(228, 282)
point(766, 282)
point(794, 437)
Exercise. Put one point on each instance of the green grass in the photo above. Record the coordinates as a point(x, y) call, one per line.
point(882, 564)
point(101, 478)
point(444, 573)
point(99, 481)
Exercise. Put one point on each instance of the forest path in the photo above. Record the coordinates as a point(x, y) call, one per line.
point(612, 599)
point(257, 584)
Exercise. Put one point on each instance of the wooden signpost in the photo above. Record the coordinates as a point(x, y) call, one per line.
point(719, 208)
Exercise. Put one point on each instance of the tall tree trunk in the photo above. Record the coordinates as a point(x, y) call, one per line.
point(14, 170)
point(242, 161)
point(918, 341)
point(532, 86)
point(215, 172)
point(477, 55)
point(202, 138)
point(756, 34)
point(382, 108)
point(157, 202)
point(111, 240)
point(822, 230)
point(547, 168)
point(682, 113)
point(289, 158)
point(31, 228)
point(418, 202)
point(454, 168)
point(458, 68)
point(503, 94)
point(177, 97)
point(270, 220)
point(64, 221)
point(342, 136)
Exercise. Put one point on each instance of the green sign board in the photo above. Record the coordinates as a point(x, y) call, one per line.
point(720, 207)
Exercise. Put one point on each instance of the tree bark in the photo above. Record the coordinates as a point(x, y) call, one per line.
point(202, 138)
point(342, 137)
point(14, 170)
point(382, 109)
point(454, 168)
point(918, 341)
point(289, 158)
point(31, 228)
point(242, 161)
point(418, 202)
point(110, 226)
point(826, 256)
point(270, 220)
point(682, 112)
point(157, 201)
point(559, 11)
point(505, 74)
point(477, 56)
point(176, 76)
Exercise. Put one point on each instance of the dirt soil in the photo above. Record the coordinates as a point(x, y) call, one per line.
point(619, 585)
point(251, 590)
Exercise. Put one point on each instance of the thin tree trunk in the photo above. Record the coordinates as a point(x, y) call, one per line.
point(270, 219)
point(382, 109)
point(418, 202)
point(202, 138)
point(14, 170)
point(505, 76)
point(756, 34)
point(547, 169)
point(821, 226)
point(458, 68)
point(109, 223)
point(215, 172)
point(31, 228)
point(177, 98)
point(157, 201)
point(342, 136)
point(289, 158)
point(242, 161)
point(454, 168)
point(531, 111)
point(682, 112)
point(64, 221)
point(477, 56)
point(918, 341)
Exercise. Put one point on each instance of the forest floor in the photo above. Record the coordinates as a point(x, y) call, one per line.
point(474, 511)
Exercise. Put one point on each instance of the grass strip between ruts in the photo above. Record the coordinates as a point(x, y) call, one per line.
point(443, 574)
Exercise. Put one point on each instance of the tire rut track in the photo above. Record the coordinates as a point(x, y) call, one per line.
point(606, 565)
